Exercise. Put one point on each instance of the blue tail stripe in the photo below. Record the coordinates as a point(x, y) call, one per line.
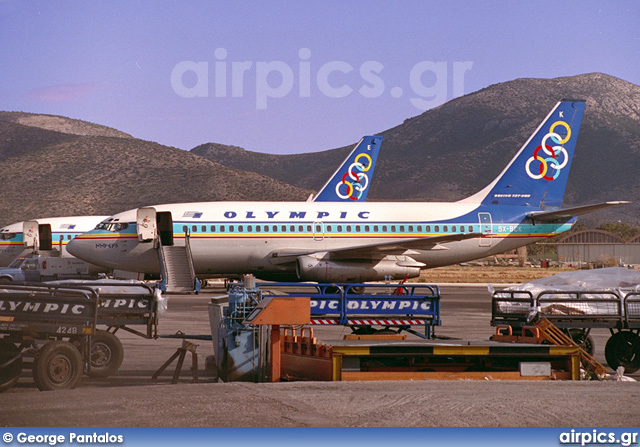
point(537, 176)
point(350, 183)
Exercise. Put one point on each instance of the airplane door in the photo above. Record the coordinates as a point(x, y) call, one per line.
point(165, 227)
point(30, 234)
point(318, 231)
point(485, 228)
point(45, 237)
point(146, 224)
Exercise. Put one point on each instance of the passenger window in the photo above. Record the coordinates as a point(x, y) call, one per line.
point(231, 227)
point(300, 229)
point(428, 228)
point(384, 228)
point(453, 229)
point(308, 228)
point(284, 228)
point(470, 229)
point(348, 228)
point(194, 228)
point(292, 228)
point(339, 228)
point(329, 228)
point(240, 228)
point(401, 228)
point(375, 228)
point(249, 228)
point(410, 228)
point(318, 228)
point(257, 229)
point(444, 229)
point(437, 229)
point(393, 228)
point(358, 228)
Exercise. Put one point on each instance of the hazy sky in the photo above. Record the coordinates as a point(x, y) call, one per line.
point(291, 76)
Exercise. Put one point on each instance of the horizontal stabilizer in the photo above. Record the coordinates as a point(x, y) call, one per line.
point(566, 213)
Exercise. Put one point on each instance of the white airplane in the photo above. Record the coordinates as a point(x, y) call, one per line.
point(332, 242)
point(51, 233)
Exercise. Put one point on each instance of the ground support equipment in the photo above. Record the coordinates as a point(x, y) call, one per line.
point(545, 331)
point(576, 313)
point(304, 358)
point(50, 328)
point(180, 354)
point(368, 308)
point(42, 322)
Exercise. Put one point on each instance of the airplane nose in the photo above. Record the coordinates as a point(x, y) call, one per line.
point(80, 249)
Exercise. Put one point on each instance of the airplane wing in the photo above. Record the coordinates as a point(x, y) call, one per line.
point(564, 213)
point(383, 248)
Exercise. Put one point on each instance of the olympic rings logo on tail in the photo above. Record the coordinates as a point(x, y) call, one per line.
point(553, 161)
point(357, 182)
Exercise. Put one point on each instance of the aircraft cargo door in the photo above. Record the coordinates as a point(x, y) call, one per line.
point(146, 224)
point(485, 228)
point(30, 234)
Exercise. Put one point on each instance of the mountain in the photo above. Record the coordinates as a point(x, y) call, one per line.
point(86, 169)
point(55, 166)
point(454, 150)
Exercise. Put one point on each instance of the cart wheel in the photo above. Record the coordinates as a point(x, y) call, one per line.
point(57, 366)
point(106, 354)
point(585, 342)
point(623, 349)
point(12, 360)
point(357, 290)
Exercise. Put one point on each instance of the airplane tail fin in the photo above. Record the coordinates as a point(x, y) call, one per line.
point(351, 180)
point(537, 175)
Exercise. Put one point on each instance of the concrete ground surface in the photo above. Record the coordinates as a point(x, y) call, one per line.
point(131, 398)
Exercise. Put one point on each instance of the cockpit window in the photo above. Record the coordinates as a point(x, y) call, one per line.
point(114, 227)
point(7, 236)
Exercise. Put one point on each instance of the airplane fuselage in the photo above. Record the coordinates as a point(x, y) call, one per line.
point(249, 237)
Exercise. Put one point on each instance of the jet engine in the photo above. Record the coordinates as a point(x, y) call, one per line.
point(324, 269)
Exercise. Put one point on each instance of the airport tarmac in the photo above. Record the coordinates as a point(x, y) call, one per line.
point(132, 398)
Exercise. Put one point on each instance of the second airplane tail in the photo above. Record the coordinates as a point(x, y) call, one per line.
point(537, 175)
point(351, 181)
